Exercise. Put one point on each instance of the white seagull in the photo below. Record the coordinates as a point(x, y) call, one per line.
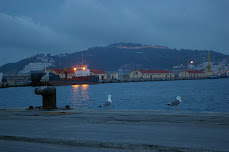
point(45, 78)
point(176, 102)
point(107, 103)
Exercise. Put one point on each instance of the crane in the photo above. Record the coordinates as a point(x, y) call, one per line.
point(209, 66)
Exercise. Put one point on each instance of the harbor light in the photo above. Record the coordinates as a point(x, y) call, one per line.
point(84, 68)
point(191, 62)
point(74, 69)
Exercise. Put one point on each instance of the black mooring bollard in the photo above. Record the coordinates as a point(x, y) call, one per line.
point(48, 95)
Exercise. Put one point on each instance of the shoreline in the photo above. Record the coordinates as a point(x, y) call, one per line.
point(29, 83)
point(118, 129)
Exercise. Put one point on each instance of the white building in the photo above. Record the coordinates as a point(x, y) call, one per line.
point(34, 67)
point(192, 74)
point(151, 74)
point(100, 73)
point(114, 75)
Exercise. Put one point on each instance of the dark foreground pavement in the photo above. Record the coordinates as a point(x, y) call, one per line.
point(93, 130)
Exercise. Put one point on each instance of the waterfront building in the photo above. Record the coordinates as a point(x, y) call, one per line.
point(100, 73)
point(114, 75)
point(63, 72)
point(151, 74)
point(192, 74)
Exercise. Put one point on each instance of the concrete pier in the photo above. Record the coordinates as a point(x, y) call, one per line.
point(18, 80)
point(145, 80)
point(115, 130)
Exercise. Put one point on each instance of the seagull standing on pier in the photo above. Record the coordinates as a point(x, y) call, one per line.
point(45, 78)
point(107, 103)
point(176, 102)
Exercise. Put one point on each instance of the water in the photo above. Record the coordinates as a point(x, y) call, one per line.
point(199, 95)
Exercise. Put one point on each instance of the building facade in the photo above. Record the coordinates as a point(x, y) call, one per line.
point(192, 74)
point(113, 75)
point(100, 73)
point(151, 74)
point(63, 73)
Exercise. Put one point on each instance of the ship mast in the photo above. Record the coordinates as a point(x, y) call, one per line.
point(82, 58)
point(45, 64)
point(209, 66)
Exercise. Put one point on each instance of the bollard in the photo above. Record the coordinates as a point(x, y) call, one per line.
point(48, 95)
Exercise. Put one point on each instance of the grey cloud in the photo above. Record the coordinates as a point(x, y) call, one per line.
point(72, 25)
point(23, 32)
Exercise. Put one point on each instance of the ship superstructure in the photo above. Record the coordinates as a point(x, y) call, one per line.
point(81, 71)
point(81, 75)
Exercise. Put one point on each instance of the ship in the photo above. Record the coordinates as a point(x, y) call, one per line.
point(213, 77)
point(3, 81)
point(81, 75)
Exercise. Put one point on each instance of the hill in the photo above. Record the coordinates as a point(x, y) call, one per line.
point(125, 56)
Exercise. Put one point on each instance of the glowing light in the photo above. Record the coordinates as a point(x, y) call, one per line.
point(84, 68)
point(191, 62)
point(75, 69)
point(75, 86)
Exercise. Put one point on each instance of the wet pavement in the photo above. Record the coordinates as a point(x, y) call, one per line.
point(112, 129)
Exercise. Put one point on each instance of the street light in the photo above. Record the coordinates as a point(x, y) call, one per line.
point(191, 64)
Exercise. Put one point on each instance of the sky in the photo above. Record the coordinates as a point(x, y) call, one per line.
point(29, 27)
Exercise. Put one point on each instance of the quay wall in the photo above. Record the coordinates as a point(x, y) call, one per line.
point(17, 80)
point(25, 80)
point(145, 80)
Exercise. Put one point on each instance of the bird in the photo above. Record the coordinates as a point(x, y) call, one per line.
point(176, 102)
point(107, 103)
point(45, 78)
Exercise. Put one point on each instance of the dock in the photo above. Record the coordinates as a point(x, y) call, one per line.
point(114, 130)
point(146, 80)
point(25, 80)
point(18, 80)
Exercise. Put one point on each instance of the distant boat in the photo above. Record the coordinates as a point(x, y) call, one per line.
point(3, 81)
point(219, 76)
point(223, 76)
point(213, 77)
point(81, 76)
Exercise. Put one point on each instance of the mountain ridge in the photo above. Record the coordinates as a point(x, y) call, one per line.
point(124, 56)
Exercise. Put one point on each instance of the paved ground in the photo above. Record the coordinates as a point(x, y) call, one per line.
point(114, 130)
point(17, 146)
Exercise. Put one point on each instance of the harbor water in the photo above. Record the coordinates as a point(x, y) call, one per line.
point(199, 95)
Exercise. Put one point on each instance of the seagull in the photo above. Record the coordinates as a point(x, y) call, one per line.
point(45, 78)
point(107, 103)
point(176, 102)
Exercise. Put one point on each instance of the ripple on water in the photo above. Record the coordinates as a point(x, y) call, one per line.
point(199, 95)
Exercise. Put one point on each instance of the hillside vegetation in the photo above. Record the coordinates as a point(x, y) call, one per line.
point(125, 56)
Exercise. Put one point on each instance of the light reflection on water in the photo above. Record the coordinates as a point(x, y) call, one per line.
point(80, 97)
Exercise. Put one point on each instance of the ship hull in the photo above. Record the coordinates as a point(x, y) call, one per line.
point(69, 82)
point(213, 77)
point(74, 81)
point(55, 80)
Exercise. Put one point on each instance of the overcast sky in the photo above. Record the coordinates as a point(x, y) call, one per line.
point(28, 27)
